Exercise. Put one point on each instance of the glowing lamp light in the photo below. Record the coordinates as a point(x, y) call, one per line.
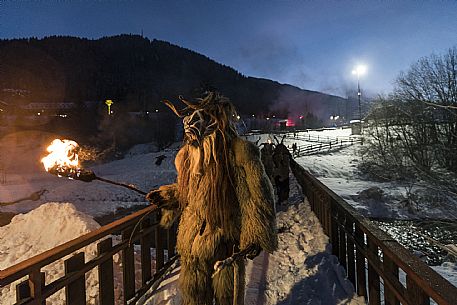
point(109, 103)
point(359, 70)
point(290, 123)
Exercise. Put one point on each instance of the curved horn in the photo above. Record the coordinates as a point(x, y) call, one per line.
point(176, 111)
point(208, 99)
point(276, 139)
point(189, 104)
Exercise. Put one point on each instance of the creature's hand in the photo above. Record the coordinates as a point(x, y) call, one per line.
point(155, 197)
point(254, 252)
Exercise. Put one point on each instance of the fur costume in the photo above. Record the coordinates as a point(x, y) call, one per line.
point(266, 154)
point(224, 200)
point(281, 159)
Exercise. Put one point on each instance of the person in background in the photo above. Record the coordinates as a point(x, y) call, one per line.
point(281, 160)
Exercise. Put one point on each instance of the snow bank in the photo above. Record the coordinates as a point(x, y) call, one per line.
point(41, 229)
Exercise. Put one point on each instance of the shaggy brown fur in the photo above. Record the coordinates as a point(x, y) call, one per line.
point(281, 159)
point(267, 160)
point(225, 200)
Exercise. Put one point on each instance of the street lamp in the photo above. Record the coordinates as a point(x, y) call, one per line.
point(109, 103)
point(359, 70)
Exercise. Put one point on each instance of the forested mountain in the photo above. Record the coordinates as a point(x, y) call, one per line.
point(137, 73)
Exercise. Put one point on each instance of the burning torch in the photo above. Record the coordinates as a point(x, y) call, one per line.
point(63, 161)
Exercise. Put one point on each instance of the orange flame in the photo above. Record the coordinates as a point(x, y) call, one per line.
point(63, 154)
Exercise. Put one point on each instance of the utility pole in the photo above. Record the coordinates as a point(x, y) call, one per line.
point(359, 70)
point(358, 97)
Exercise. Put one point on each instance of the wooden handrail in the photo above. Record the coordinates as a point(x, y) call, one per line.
point(34, 291)
point(23, 268)
point(423, 282)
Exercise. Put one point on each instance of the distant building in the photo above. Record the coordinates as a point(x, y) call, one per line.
point(16, 92)
point(356, 127)
point(50, 106)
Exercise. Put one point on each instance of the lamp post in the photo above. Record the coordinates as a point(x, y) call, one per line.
point(359, 70)
point(109, 103)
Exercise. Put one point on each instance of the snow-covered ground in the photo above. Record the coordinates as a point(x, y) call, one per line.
point(21, 154)
point(302, 270)
point(339, 171)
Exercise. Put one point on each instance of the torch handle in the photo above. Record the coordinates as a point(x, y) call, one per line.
point(121, 184)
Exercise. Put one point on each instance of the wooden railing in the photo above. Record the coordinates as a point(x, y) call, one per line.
point(140, 227)
point(322, 144)
point(371, 257)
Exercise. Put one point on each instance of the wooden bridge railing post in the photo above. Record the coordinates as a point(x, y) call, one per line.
point(28, 289)
point(335, 235)
point(415, 293)
point(106, 274)
point(318, 205)
point(75, 291)
point(128, 266)
point(350, 250)
point(360, 262)
point(311, 196)
point(390, 268)
point(159, 245)
point(36, 284)
point(146, 244)
point(374, 286)
point(342, 243)
point(328, 216)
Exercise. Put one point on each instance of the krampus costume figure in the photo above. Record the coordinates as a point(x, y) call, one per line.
point(224, 199)
point(266, 154)
point(281, 159)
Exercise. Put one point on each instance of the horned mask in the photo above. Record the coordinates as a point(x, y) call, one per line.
point(204, 117)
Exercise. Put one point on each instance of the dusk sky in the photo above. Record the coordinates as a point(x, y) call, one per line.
point(311, 44)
